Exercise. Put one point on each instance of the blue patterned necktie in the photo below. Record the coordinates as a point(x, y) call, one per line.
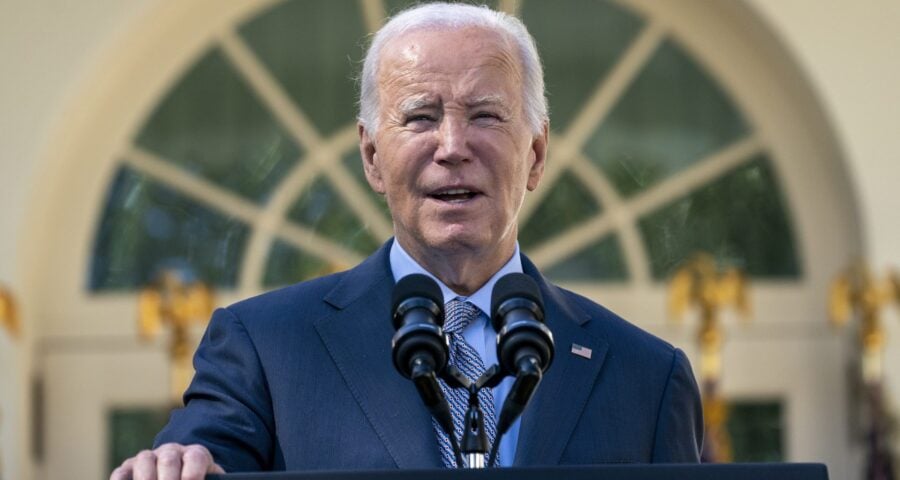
point(458, 316)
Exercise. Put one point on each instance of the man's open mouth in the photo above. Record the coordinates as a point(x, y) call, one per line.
point(454, 195)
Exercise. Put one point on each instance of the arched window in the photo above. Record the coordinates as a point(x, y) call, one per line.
point(248, 168)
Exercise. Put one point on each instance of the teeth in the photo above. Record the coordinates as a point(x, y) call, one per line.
point(454, 195)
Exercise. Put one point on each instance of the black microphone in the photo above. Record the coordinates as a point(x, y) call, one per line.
point(418, 315)
point(420, 349)
point(524, 343)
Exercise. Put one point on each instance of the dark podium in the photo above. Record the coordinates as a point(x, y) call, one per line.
point(733, 471)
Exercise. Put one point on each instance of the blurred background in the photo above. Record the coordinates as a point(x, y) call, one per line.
point(722, 173)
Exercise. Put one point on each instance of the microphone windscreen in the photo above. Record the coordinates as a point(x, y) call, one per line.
point(416, 285)
point(515, 285)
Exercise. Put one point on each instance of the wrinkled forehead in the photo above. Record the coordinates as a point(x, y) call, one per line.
point(448, 53)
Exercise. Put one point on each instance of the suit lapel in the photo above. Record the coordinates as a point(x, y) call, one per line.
point(358, 338)
point(553, 413)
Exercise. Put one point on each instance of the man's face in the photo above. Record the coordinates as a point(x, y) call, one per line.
point(454, 152)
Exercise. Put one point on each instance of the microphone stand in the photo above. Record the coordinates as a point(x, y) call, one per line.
point(474, 444)
point(527, 380)
point(474, 441)
point(426, 383)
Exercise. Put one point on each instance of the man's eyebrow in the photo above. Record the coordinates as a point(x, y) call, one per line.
point(488, 101)
point(415, 102)
point(498, 100)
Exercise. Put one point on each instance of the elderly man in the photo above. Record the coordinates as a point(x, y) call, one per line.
point(453, 131)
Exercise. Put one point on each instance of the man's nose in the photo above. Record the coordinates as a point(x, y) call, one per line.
point(453, 145)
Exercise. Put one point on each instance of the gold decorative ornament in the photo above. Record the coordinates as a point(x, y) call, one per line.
point(856, 292)
point(172, 302)
point(717, 442)
point(9, 318)
point(699, 285)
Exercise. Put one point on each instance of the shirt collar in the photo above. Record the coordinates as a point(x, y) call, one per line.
point(402, 264)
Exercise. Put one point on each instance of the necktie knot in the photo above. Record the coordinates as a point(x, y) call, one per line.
point(458, 315)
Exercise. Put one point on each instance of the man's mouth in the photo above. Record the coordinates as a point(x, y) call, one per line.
point(454, 195)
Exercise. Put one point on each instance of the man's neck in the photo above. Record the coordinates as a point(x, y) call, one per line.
point(466, 271)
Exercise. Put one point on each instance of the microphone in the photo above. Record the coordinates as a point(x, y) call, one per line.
point(418, 315)
point(420, 349)
point(524, 343)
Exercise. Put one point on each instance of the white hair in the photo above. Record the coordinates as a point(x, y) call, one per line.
point(451, 16)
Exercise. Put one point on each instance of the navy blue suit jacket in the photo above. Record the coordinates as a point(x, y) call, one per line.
point(301, 378)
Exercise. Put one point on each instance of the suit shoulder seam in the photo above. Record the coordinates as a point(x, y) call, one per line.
point(662, 399)
point(243, 327)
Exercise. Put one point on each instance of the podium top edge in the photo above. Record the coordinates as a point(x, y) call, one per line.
point(730, 471)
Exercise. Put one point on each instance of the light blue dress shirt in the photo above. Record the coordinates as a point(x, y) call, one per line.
point(479, 334)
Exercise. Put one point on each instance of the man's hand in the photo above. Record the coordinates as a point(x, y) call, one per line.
point(171, 461)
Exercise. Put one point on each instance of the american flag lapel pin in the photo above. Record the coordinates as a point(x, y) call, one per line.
point(582, 351)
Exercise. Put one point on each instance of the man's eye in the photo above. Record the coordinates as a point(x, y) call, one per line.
point(419, 118)
point(487, 116)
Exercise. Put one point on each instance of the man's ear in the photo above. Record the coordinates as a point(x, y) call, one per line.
point(538, 156)
point(370, 159)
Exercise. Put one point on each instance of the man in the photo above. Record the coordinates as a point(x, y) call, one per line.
point(453, 131)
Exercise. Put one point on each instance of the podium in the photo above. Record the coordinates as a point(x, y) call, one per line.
point(731, 471)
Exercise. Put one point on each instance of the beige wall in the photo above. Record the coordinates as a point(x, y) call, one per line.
point(848, 51)
point(48, 48)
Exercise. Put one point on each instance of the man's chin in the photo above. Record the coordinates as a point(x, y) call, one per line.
point(465, 241)
point(444, 241)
